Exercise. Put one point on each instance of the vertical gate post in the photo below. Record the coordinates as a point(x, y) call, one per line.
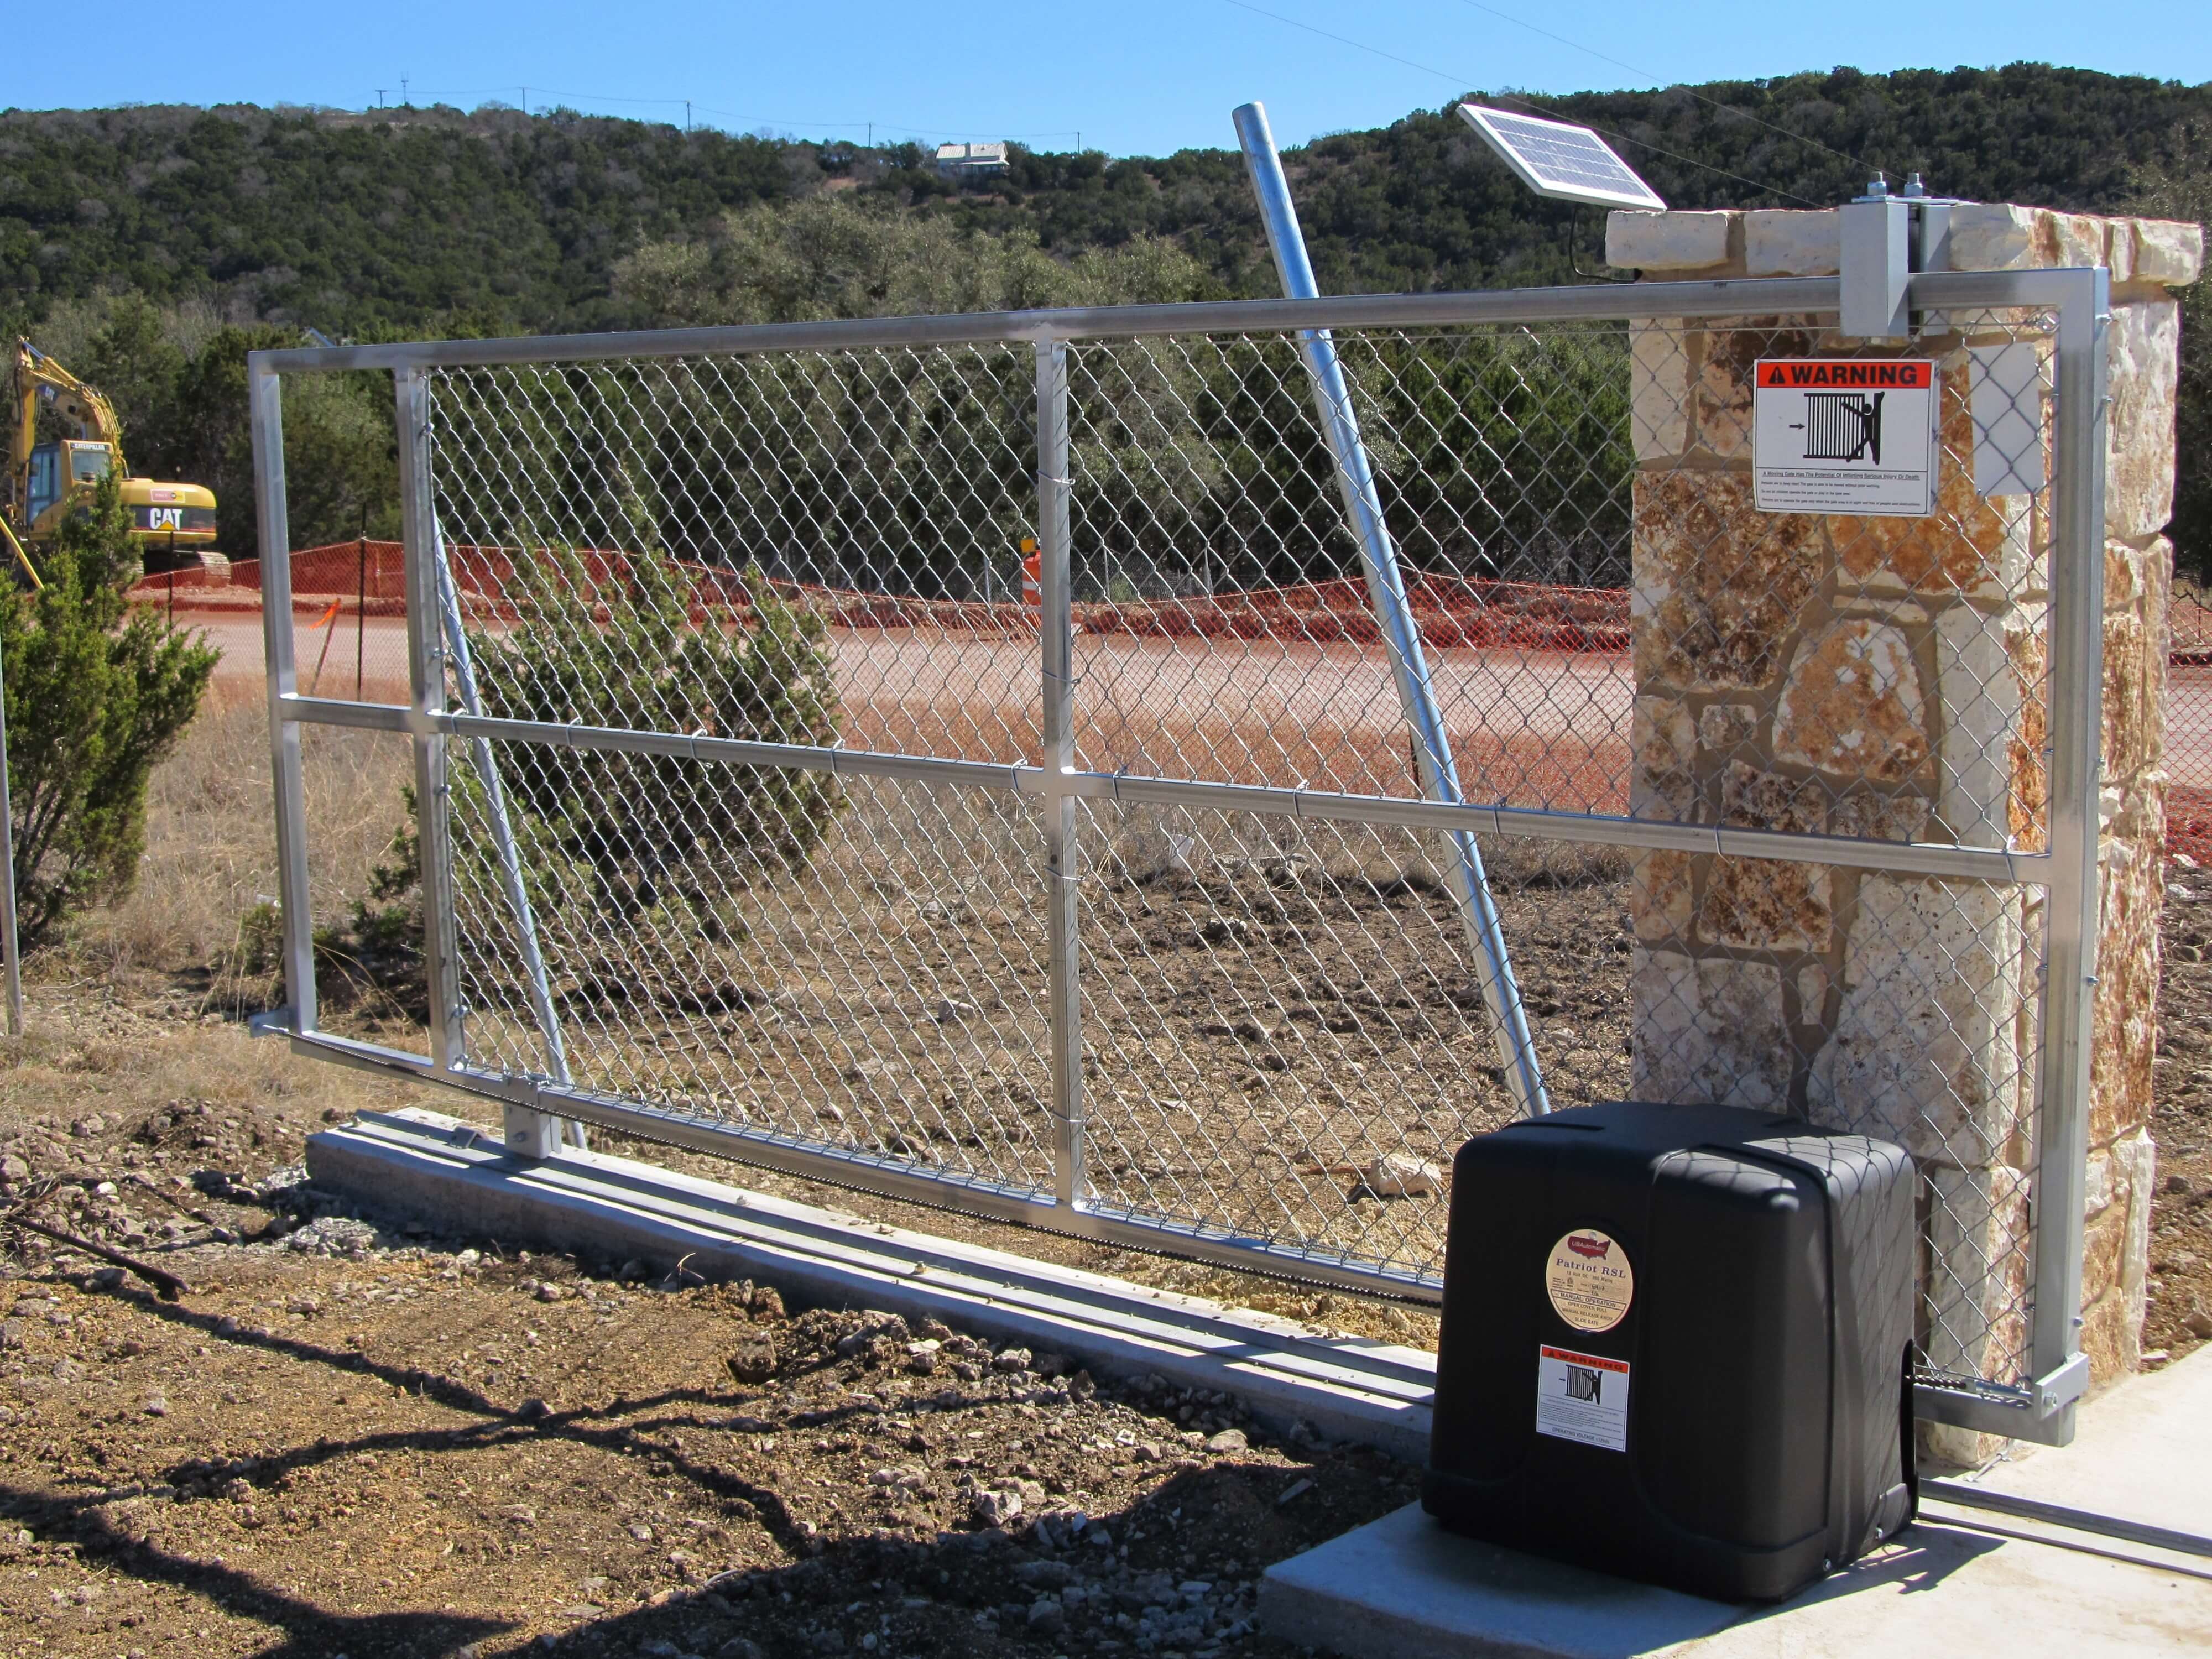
point(1056, 641)
point(265, 395)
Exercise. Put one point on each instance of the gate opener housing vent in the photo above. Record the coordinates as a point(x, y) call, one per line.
point(1557, 159)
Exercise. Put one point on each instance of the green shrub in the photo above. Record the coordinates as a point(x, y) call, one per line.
point(625, 653)
point(99, 690)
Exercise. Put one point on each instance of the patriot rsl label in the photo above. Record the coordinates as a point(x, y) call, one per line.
point(1844, 435)
point(1589, 1280)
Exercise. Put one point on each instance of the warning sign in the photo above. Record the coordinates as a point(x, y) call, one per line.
point(1844, 435)
point(1581, 1397)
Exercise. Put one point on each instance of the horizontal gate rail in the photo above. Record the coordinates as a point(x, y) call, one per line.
point(1994, 864)
point(1941, 289)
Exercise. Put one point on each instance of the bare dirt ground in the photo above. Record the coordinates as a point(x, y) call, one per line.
point(341, 1441)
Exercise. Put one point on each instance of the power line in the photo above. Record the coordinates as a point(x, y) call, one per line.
point(1462, 82)
point(753, 120)
point(1741, 114)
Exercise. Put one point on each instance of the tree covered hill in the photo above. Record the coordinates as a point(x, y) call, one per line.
point(496, 220)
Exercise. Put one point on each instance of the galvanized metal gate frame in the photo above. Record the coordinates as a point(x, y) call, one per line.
point(535, 1106)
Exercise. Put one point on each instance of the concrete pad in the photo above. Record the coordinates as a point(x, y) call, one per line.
point(2143, 1449)
point(1957, 1581)
point(428, 1167)
point(1403, 1588)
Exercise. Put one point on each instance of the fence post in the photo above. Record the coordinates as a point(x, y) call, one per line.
point(1409, 668)
point(360, 613)
point(1056, 638)
point(426, 676)
point(266, 393)
point(2056, 1366)
point(8, 963)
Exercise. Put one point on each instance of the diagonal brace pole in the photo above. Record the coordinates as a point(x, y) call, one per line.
point(502, 833)
point(1386, 590)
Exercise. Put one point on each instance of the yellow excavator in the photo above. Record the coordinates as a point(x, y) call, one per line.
point(66, 438)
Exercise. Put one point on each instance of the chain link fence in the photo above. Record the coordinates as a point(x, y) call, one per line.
point(767, 815)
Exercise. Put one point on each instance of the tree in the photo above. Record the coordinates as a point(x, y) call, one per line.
point(98, 691)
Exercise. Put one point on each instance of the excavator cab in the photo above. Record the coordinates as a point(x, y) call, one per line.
point(56, 469)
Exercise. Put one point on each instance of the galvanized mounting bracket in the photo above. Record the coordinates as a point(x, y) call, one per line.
point(1885, 239)
point(272, 1022)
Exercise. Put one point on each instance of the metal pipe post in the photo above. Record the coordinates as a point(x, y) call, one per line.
point(9, 962)
point(1056, 636)
point(502, 835)
point(426, 674)
point(2078, 677)
point(265, 395)
point(1386, 590)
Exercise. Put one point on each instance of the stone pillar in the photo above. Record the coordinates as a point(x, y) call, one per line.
point(1883, 678)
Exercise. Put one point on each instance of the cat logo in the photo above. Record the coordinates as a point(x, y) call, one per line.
point(165, 517)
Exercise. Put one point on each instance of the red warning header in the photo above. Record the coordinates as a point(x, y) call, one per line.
point(1848, 374)
point(1594, 1361)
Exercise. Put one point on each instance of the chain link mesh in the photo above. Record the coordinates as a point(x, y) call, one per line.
point(1282, 1037)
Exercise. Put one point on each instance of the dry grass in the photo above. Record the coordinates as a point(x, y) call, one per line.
point(211, 853)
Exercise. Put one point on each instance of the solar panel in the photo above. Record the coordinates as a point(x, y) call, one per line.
point(1554, 158)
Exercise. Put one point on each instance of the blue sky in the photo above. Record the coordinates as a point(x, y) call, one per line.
point(1140, 77)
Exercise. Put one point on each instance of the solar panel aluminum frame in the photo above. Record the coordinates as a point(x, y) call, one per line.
point(1476, 116)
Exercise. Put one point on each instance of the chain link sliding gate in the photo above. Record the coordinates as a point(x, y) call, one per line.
point(757, 821)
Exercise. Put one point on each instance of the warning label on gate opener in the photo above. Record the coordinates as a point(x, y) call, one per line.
point(1844, 435)
point(1581, 1397)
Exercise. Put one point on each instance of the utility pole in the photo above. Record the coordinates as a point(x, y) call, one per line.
point(405, 102)
point(872, 134)
point(380, 97)
point(526, 100)
point(687, 115)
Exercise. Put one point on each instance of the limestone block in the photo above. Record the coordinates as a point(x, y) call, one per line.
point(1664, 741)
point(2112, 1337)
point(1768, 903)
point(1981, 697)
point(1709, 1032)
point(1723, 728)
point(1785, 242)
point(2076, 239)
point(1974, 545)
point(1924, 1050)
point(2134, 739)
point(1718, 585)
point(2104, 1246)
point(1878, 815)
point(2097, 1182)
point(2143, 346)
point(2120, 249)
point(1813, 994)
point(1727, 350)
point(1666, 241)
point(1659, 896)
point(1853, 704)
point(1976, 1288)
point(2168, 250)
point(1992, 236)
point(2137, 577)
point(2123, 1004)
point(1659, 379)
point(2027, 644)
point(2137, 1155)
